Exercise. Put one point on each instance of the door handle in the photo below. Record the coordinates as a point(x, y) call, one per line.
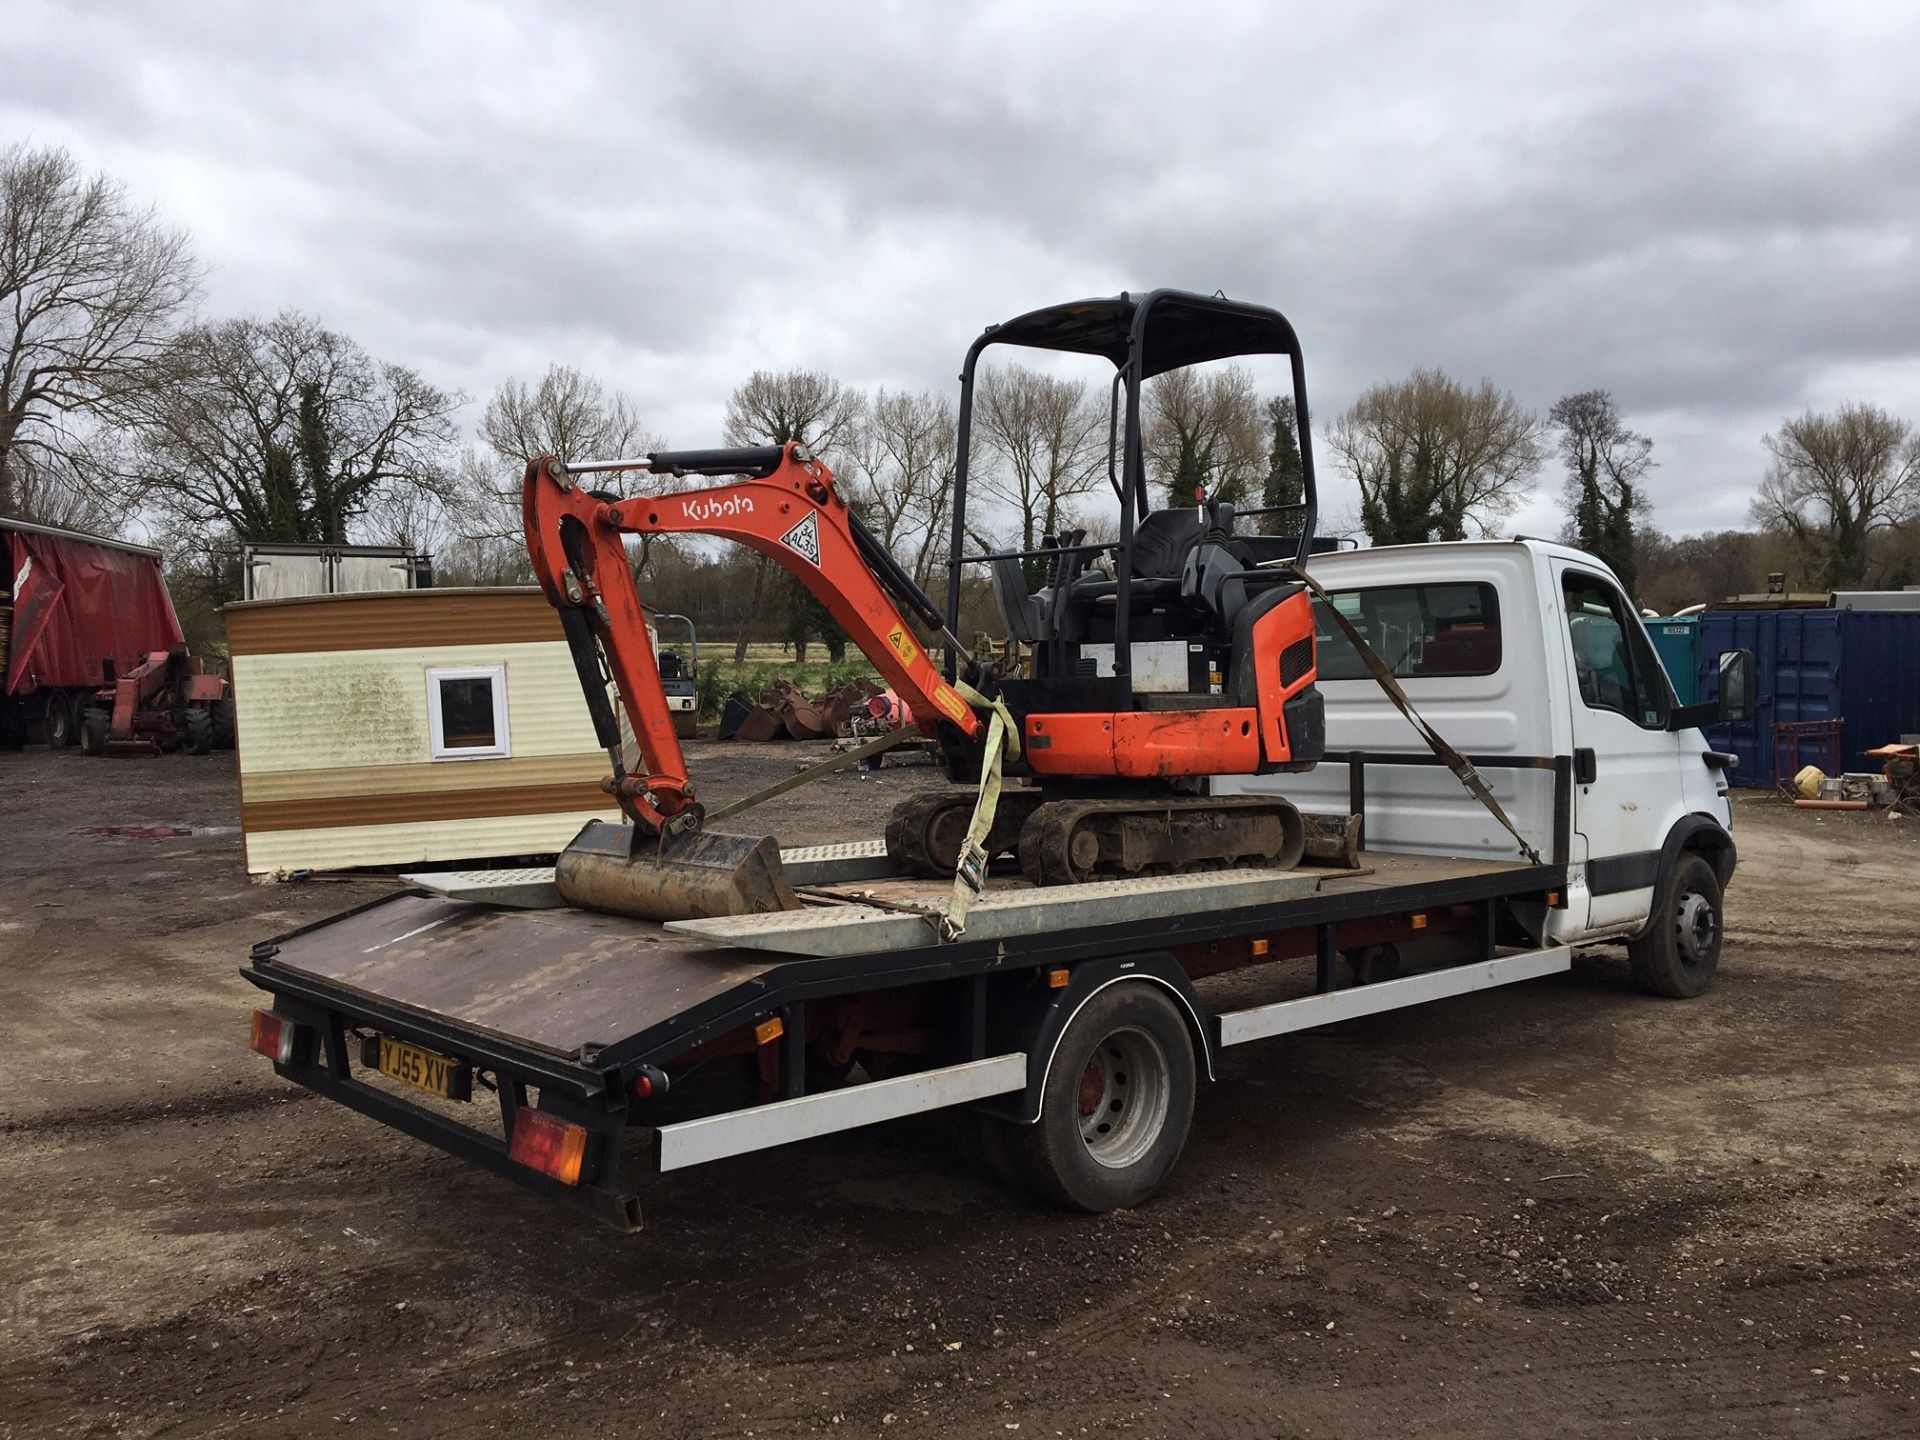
point(1586, 766)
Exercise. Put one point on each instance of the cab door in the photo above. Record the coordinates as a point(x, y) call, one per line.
point(1626, 764)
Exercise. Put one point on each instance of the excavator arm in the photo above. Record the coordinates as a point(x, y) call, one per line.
point(784, 505)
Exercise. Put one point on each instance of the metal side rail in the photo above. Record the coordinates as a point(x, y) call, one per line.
point(761, 1127)
point(1234, 1027)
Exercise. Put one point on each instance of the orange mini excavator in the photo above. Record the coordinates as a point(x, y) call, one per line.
point(1182, 650)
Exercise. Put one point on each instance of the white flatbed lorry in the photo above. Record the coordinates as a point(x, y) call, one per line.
point(1067, 1030)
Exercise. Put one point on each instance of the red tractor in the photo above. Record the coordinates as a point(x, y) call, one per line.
point(168, 702)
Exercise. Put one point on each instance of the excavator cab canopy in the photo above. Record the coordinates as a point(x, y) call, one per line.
point(1174, 328)
point(1142, 336)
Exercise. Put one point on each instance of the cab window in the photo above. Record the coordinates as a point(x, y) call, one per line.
point(1422, 631)
point(1612, 659)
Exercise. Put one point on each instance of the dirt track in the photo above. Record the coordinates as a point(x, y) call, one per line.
point(1561, 1209)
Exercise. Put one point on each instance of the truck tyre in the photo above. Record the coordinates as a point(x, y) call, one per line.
point(981, 1140)
point(1680, 950)
point(199, 730)
point(61, 731)
point(93, 730)
point(1117, 1103)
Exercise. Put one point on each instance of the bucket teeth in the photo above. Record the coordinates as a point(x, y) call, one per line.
point(695, 876)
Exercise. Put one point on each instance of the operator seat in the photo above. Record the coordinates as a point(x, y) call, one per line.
point(1024, 615)
point(1160, 544)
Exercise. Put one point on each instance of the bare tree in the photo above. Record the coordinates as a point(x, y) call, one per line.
point(1605, 464)
point(81, 486)
point(1201, 431)
point(826, 416)
point(91, 289)
point(569, 414)
point(905, 489)
point(805, 405)
point(1432, 457)
point(1838, 479)
point(1047, 435)
point(284, 430)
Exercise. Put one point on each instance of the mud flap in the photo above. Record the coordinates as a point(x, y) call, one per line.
point(695, 876)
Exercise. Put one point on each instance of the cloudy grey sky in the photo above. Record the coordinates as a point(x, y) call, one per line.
point(1708, 209)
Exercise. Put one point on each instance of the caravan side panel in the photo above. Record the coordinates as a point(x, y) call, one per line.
point(337, 744)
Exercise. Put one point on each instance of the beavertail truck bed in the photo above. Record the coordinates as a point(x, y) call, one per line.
point(1068, 1028)
point(592, 1018)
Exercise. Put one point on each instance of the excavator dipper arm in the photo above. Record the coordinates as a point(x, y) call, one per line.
point(785, 507)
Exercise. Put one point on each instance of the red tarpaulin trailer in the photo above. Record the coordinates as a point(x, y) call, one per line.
point(76, 601)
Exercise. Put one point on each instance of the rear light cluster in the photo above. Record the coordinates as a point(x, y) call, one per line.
point(274, 1036)
point(556, 1148)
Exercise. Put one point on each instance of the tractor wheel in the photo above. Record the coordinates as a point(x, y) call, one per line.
point(199, 730)
point(223, 724)
point(59, 721)
point(93, 730)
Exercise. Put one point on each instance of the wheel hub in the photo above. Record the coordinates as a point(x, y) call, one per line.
point(1697, 928)
point(1124, 1095)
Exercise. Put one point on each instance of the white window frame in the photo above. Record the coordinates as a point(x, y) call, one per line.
point(502, 746)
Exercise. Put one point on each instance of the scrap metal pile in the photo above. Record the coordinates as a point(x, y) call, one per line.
point(859, 707)
point(1896, 789)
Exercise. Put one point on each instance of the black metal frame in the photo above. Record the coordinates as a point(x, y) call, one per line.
point(1096, 327)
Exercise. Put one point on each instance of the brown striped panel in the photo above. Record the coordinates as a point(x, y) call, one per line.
point(420, 777)
point(390, 620)
point(329, 812)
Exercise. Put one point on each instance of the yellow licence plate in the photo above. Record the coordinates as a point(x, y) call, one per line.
point(440, 1075)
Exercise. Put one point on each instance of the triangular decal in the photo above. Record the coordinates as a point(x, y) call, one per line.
point(805, 539)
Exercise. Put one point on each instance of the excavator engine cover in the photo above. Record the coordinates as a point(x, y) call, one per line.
point(694, 876)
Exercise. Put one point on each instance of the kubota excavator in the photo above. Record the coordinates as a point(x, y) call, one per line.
point(1183, 650)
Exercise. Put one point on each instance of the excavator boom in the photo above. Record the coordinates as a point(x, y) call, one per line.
point(783, 504)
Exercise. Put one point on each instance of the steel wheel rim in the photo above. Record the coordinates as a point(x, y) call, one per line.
point(1125, 1092)
point(1697, 928)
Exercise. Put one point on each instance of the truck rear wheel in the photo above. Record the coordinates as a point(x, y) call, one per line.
point(1117, 1103)
point(59, 723)
point(1681, 948)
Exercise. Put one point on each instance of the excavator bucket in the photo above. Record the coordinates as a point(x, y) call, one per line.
point(695, 876)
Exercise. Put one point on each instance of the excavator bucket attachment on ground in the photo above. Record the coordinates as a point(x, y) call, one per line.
point(696, 876)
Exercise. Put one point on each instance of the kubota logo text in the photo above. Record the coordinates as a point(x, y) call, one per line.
point(704, 509)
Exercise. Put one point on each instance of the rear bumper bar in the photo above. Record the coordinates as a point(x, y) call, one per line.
point(326, 1068)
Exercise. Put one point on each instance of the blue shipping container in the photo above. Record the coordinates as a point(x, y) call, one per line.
point(1862, 666)
point(1677, 641)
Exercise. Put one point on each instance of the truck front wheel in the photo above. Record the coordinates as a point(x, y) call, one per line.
point(1680, 950)
point(1117, 1103)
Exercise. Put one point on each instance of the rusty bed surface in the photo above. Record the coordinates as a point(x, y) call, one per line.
point(565, 980)
point(556, 980)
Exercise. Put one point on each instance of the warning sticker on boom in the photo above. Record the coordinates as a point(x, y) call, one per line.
point(903, 645)
point(804, 539)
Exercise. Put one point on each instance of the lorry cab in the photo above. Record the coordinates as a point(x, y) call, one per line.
point(1530, 660)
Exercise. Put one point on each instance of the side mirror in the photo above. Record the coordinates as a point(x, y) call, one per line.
point(1736, 696)
point(1736, 685)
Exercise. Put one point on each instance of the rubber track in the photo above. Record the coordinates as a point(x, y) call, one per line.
point(912, 821)
point(1045, 842)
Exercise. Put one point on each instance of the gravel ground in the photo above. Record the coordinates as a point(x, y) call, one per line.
point(1562, 1208)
